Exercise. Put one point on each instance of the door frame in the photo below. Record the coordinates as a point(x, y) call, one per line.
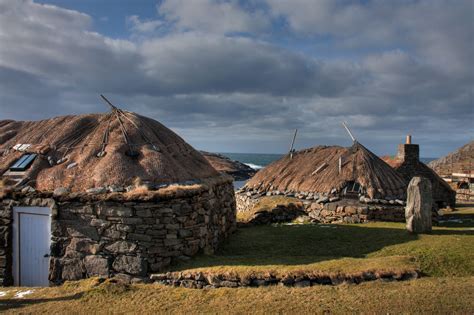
point(34, 210)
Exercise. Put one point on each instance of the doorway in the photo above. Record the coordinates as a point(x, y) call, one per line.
point(31, 246)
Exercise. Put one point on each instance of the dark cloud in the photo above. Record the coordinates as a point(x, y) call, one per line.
point(232, 93)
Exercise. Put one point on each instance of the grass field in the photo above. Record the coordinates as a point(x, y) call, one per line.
point(445, 258)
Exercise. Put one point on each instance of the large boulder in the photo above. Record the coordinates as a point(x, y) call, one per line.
point(419, 204)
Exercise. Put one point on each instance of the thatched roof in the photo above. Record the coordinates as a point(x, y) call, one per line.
point(153, 153)
point(459, 161)
point(317, 170)
point(441, 190)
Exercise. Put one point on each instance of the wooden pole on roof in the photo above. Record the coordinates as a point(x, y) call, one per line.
point(349, 131)
point(108, 102)
point(293, 143)
point(116, 111)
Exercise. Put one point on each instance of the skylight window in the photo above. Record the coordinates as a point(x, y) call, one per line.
point(23, 163)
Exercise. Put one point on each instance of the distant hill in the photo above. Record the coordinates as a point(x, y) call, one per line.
point(459, 161)
point(236, 169)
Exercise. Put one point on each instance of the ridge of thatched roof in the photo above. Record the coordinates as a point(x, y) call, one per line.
point(317, 170)
point(162, 157)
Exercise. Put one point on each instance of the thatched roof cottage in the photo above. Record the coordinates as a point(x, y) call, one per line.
point(337, 184)
point(114, 194)
point(325, 170)
point(407, 163)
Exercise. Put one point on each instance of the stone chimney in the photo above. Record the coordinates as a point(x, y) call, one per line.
point(408, 152)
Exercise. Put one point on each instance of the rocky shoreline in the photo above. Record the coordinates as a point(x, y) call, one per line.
point(239, 171)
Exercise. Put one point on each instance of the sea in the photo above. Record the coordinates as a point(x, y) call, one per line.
point(258, 161)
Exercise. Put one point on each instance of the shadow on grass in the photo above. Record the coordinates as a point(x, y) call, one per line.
point(299, 244)
point(19, 303)
point(305, 244)
point(464, 217)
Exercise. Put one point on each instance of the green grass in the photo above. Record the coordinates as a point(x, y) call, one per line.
point(426, 296)
point(445, 257)
point(445, 252)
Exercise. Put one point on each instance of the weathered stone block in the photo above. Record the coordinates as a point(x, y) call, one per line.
point(72, 269)
point(139, 237)
point(122, 247)
point(83, 231)
point(85, 246)
point(144, 213)
point(130, 264)
point(96, 266)
point(113, 210)
point(185, 233)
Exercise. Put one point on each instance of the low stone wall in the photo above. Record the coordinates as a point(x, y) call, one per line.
point(464, 195)
point(245, 201)
point(279, 214)
point(350, 211)
point(200, 280)
point(128, 239)
point(332, 209)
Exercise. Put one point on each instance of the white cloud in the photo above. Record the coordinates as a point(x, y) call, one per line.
point(212, 16)
point(140, 26)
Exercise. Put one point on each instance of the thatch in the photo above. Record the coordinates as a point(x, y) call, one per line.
point(441, 190)
point(162, 156)
point(317, 170)
point(459, 161)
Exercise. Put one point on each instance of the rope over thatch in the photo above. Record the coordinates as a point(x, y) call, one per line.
point(99, 153)
point(317, 170)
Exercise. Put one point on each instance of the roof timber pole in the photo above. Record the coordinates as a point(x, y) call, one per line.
point(349, 131)
point(108, 102)
point(116, 112)
point(293, 143)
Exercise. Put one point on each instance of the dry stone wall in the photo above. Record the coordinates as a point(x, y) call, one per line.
point(127, 239)
point(332, 209)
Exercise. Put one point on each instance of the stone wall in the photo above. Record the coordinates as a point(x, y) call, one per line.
point(464, 195)
point(332, 209)
point(245, 201)
point(126, 238)
point(351, 211)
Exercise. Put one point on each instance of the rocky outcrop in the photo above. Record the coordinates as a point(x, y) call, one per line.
point(239, 171)
point(459, 161)
point(419, 206)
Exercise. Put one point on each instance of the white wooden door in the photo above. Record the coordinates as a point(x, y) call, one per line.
point(31, 246)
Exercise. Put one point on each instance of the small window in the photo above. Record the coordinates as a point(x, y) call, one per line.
point(23, 163)
point(352, 188)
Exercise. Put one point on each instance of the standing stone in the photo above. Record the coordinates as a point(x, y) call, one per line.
point(419, 204)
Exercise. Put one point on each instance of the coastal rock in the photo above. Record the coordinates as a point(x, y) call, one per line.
point(239, 171)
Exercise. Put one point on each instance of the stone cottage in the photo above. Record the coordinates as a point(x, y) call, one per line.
point(407, 163)
point(336, 184)
point(114, 194)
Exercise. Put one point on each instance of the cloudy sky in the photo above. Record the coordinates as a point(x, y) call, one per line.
point(240, 76)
